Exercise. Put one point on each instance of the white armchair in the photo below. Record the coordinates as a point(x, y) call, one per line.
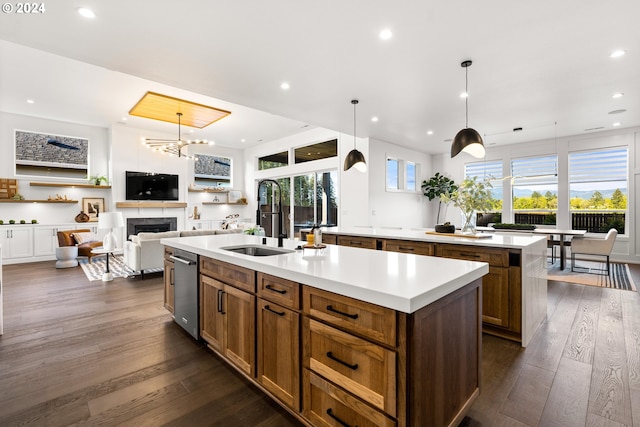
point(593, 246)
point(144, 251)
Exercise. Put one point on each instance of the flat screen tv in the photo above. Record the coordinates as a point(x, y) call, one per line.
point(151, 186)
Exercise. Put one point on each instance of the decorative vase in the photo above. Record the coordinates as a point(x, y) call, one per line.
point(469, 222)
point(82, 217)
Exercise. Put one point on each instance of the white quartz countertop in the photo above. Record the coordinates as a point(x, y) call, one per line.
point(403, 282)
point(507, 240)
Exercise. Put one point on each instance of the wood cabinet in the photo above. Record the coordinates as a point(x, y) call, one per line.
point(227, 319)
point(169, 279)
point(357, 242)
point(409, 247)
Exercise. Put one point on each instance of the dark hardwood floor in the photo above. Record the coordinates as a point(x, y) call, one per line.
point(76, 352)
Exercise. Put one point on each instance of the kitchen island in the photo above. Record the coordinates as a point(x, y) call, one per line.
point(344, 336)
point(515, 290)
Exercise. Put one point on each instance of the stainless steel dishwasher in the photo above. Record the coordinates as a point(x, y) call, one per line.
point(186, 306)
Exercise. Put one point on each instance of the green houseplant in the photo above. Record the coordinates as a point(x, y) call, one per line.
point(98, 179)
point(437, 186)
point(471, 196)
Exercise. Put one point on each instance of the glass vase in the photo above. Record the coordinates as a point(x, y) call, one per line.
point(469, 222)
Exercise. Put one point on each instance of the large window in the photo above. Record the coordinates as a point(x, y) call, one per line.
point(535, 190)
point(488, 171)
point(53, 156)
point(598, 189)
point(401, 175)
point(212, 171)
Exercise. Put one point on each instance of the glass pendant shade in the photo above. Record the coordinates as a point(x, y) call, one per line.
point(469, 141)
point(355, 159)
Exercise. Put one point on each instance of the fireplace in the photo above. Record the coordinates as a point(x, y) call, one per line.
point(151, 225)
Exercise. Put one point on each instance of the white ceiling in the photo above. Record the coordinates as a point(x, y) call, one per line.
point(534, 63)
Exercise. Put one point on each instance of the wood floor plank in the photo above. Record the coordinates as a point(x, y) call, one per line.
point(529, 395)
point(609, 393)
point(582, 336)
point(569, 398)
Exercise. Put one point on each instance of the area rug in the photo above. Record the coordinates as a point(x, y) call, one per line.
point(98, 266)
point(619, 278)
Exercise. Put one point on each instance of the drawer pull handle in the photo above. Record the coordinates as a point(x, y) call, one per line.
point(279, 313)
point(352, 316)
point(470, 255)
point(348, 365)
point(220, 293)
point(404, 248)
point(338, 420)
point(283, 291)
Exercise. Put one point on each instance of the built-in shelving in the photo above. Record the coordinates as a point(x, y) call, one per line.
point(37, 201)
point(62, 184)
point(151, 205)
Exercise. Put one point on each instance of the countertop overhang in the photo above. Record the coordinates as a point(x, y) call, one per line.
point(403, 282)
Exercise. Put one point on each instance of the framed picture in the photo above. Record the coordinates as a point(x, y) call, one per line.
point(93, 207)
point(234, 196)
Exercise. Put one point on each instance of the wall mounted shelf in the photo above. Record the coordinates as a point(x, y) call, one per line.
point(37, 201)
point(197, 190)
point(151, 204)
point(223, 203)
point(62, 184)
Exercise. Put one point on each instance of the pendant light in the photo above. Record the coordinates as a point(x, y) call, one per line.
point(468, 139)
point(355, 158)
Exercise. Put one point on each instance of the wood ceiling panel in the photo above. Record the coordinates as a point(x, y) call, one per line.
point(165, 108)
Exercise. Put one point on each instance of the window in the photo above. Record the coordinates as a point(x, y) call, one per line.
point(492, 172)
point(535, 190)
point(56, 156)
point(598, 189)
point(321, 150)
point(402, 175)
point(273, 160)
point(212, 171)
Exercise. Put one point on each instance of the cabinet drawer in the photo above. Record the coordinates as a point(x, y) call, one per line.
point(357, 242)
point(239, 277)
point(364, 369)
point(495, 257)
point(327, 405)
point(329, 239)
point(408, 247)
point(368, 320)
point(281, 291)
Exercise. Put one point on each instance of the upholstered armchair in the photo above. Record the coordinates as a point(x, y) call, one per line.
point(84, 239)
point(593, 246)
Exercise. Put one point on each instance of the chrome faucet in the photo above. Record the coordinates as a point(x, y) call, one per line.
point(259, 213)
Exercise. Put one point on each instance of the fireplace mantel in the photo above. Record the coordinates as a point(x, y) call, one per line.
point(151, 204)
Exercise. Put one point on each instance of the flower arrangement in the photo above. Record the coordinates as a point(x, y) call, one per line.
point(470, 197)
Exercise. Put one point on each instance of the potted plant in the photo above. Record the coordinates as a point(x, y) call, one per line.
point(471, 196)
point(98, 179)
point(437, 186)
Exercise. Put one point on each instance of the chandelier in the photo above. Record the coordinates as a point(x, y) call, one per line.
point(174, 146)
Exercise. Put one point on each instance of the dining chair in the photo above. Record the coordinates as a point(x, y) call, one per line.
point(593, 246)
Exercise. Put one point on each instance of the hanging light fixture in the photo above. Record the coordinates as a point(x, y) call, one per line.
point(468, 139)
point(355, 158)
point(174, 146)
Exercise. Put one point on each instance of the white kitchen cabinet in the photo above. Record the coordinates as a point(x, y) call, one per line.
point(17, 242)
point(45, 238)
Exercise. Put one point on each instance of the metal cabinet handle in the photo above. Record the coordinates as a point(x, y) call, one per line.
point(279, 313)
point(220, 293)
point(172, 276)
point(338, 420)
point(283, 291)
point(348, 365)
point(182, 260)
point(351, 316)
point(404, 248)
point(469, 255)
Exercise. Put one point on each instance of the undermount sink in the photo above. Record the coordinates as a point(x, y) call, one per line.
point(257, 250)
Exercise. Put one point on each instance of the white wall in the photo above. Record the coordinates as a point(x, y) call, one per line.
point(397, 208)
point(50, 213)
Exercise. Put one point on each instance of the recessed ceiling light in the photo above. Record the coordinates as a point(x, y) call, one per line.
point(243, 140)
point(124, 119)
point(618, 111)
point(429, 132)
point(464, 95)
point(374, 119)
point(386, 34)
point(616, 124)
point(617, 53)
point(87, 13)
point(285, 86)
point(617, 95)
point(30, 101)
